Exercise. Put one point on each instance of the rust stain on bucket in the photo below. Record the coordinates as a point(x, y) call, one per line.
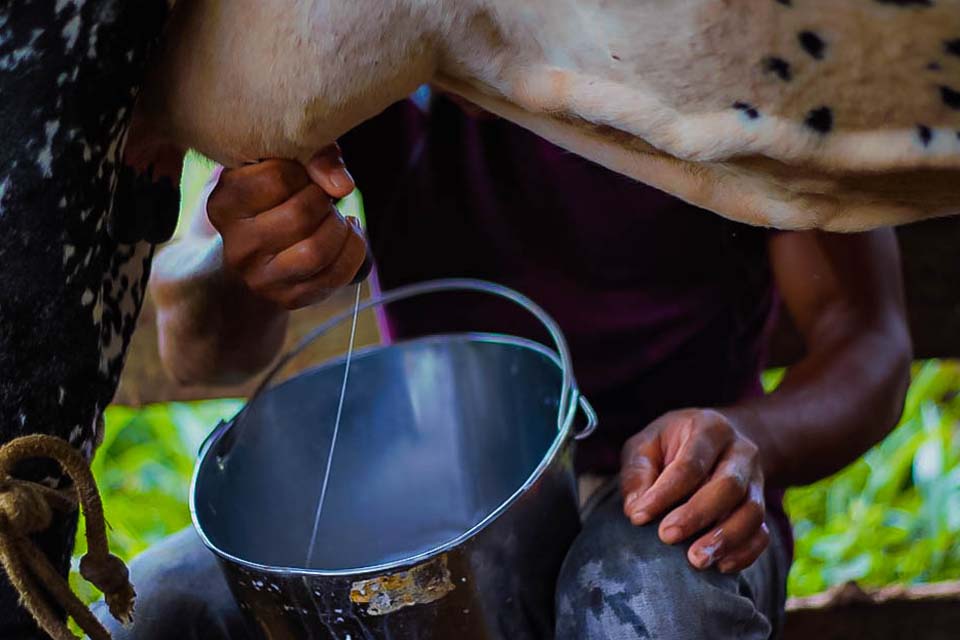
point(422, 584)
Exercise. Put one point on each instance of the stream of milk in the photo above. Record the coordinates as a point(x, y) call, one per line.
point(336, 431)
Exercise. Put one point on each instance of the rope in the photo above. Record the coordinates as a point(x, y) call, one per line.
point(27, 508)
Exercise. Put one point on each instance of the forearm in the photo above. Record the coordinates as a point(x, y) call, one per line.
point(840, 400)
point(212, 328)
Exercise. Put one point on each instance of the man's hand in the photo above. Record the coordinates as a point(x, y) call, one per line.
point(698, 460)
point(282, 235)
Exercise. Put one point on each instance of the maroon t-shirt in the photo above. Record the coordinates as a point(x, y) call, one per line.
point(665, 305)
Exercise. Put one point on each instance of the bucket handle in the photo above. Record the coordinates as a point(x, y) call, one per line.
point(570, 398)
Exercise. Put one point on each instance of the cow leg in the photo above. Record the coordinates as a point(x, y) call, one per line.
point(70, 285)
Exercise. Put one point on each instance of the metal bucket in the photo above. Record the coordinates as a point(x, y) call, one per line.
point(452, 498)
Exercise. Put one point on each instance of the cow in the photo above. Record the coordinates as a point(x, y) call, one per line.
point(790, 113)
point(74, 258)
point(787, 113)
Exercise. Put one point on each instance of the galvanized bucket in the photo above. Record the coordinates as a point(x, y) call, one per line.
point(452, 499)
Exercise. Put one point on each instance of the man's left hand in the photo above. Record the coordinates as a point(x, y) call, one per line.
point(698, 464)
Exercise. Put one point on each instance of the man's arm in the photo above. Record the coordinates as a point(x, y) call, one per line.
point(211, 327)
point(705, 469)
point(845, 295)
point(268, 239)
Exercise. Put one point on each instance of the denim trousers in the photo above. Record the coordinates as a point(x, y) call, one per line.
point(618, 582)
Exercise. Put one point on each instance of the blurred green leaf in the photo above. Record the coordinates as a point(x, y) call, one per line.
point(894, 515)
point(144, 467)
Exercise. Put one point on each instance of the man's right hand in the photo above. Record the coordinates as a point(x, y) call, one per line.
point(282, 235)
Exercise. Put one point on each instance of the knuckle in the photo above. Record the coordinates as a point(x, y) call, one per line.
point(636, 452)
point(323, 249)
point(733, 483)
point(260, 280)
point(238, 255)
point(669, 420)
point(282, 179)
point(318, 253)
point(683, 467)
point(717, 425)
point(303, 217)
point(315, 198)
point(302, 223)
point(636, 473)
point(692, 466)
point(736, 473)
point(638, 461)
point(290, 298)
point(334, 230)
point(280, 174)
point(749, 449)
point(676, 415)
point(688, 420)
point(257, 284)
point(634, 442)
point(698, 465)
point(686, 466)
point(309, 257)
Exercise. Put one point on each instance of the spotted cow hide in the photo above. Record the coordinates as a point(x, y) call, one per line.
point(74, 258)
point(789, 113)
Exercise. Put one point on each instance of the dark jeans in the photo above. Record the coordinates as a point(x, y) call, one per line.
point(619, 582)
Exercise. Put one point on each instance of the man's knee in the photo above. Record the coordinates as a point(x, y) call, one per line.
point(621, 582)
point(181, 593)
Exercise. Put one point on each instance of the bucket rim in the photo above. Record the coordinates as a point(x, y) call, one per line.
point(562, 439)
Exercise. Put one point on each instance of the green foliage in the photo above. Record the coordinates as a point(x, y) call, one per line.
point(144, 468)
point(891, 517)
point(894, 515)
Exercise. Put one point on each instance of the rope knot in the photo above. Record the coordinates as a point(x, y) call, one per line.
point(109, 574)
point(27, 508)
point(23, 509)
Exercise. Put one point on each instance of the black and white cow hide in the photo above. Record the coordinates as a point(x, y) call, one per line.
point(74, 260)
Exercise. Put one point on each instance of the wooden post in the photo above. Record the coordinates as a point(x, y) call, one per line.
point(924, 612)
